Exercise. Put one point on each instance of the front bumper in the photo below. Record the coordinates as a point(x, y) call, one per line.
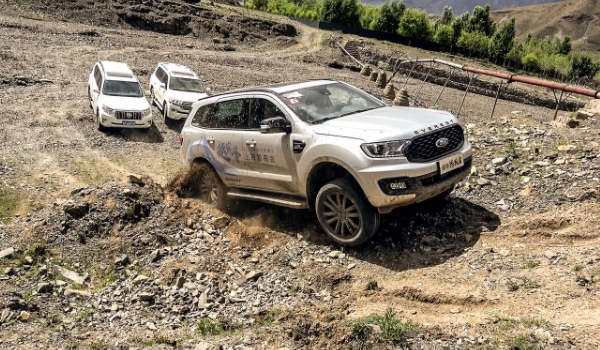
point(176, 112)
point(422, 181)
point(112, 122)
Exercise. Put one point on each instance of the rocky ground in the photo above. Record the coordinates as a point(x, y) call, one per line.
point(94, 256)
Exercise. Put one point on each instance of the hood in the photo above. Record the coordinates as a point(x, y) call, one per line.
point(125, 103)
point(185, 96)
point(386, 124)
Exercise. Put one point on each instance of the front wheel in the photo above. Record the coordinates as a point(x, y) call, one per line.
point(152, 98)
point(345, 214)
point(100, 126)
point(168, 121)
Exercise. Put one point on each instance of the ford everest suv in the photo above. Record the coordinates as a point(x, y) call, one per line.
point(117, 98)
point(326, 146)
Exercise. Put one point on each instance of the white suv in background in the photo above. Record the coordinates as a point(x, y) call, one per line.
point(173, 89)
point(117, 97)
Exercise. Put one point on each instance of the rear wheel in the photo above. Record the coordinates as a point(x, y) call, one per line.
point(207, 185)
point(345, 214)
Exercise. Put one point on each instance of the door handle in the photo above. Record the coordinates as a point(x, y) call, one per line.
point(210, 140)
point(251, 143)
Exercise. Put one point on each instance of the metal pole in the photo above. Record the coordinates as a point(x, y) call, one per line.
point(466, 92)
point(412, 66)
point(558, 104)
point(496, 101)
point(446, 83)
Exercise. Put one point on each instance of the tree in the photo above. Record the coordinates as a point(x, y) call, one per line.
point(457, 28)
point(444, 35)
point(341, 11)
point(446, 19)
point(583, 67)
point(415, 24)
point(564, 46)
point(503, 39)
point(389, 17)
point(368, 16)
point(474, 43)
point(481, 21)
point(260, 4)
point(531, 60)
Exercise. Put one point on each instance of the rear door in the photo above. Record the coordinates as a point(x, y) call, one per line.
point(95, 87)
point(269, 158)
point(222, 142)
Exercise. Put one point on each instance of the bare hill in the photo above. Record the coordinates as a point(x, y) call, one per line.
point(462, 6)
point(577, 18)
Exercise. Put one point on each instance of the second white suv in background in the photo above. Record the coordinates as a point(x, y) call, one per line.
point(173, 89)
point(117, 97)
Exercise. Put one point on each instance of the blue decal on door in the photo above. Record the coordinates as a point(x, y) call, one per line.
point(219, 166)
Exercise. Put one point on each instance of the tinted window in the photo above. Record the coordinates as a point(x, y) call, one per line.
point(186, 84)
point(262, 109)
point(232, 114)
point(204, 117)
point(97, 76)
point(122, 88)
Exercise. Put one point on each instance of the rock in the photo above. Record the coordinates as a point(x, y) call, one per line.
point(542, 164)
point(155, 255)
point(550, 254)
point(334, 254)
point(454, 311)
point(254, 275)
point(151, 326)
point(7, 253)
point(70, 276)
point(202, 301)
point(24, 316)
point(566, 148)
point(146, 239)
point(504, 252)
point(499, 161)
point(140, 279)
point(389, 92)
point(135, 179)
point(180, 282)
point(483, 181)
point(351, 266)
point(83, 293)
point(526, 192)
point(76, 210)
point(515, 112)
point(430, 240)
point(221, 222)
point(206, 346)
point(45, 287)
point(9, 271)
point(189, 46)
point(565, 122)
point(228, 47)
point(583, 115)
point(122, 260)
point(145, 296)
point(217, 40)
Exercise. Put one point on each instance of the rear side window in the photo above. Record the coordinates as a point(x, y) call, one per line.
point(232, 114)
point(161, 75)
point(98, 77)
point(204, 117)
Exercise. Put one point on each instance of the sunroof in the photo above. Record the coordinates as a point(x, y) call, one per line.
point(118, 74)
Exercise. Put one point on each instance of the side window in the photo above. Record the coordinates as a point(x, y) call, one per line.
point(204, 117)
point(162, 76)
point(232, 114)
point(262, 109)
point(97, 76)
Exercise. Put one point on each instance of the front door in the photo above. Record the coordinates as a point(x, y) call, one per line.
point(268, 157)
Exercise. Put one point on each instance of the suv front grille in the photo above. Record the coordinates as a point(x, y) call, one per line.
point(424, 149)
point(128, 115)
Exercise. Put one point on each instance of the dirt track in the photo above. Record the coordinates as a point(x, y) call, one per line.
point(501, 263)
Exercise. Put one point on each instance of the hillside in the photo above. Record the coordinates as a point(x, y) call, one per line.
point(577, 18)
point(462, 6)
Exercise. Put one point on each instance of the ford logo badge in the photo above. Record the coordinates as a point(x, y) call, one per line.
point(442, 142)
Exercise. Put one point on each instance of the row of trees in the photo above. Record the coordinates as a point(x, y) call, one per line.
point(475, 34)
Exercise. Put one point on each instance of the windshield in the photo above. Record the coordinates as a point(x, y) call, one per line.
point(186, 84)
point(320, 103)
point(122, 88)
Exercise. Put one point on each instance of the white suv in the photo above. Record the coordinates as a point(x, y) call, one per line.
point(323, 145)
point(173, 89)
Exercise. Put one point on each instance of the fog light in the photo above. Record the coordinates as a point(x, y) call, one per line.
point(400, 185)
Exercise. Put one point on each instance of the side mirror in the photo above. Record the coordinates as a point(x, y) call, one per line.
point(275, 125)
point(161, 86)
point(208, 91)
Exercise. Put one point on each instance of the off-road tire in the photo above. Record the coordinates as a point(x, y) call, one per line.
point(152, 103)
point(207, 186)
point(90, 98)
point(345, 214)
point(100, 126)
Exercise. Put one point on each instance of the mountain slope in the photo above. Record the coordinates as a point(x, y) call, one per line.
point(461, 6)
point(577, 18)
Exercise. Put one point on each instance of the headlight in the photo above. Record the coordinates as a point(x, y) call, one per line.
point(175, 102)
point(147, 112)
point(384, 149)
point(108, 110)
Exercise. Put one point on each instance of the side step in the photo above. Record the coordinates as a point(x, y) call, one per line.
point(271, 198)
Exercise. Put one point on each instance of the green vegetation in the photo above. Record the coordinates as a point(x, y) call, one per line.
point(208, 327)
point(393, 330)
point(521, 282)
point(9, 201)
point(530, 264)
point(475, 34)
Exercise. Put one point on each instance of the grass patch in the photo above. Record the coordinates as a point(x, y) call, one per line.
point(9, 202)
point(530, 264)
point(97, 346)
point(159, 340)
point(53, 321)
point(525, 342)
point(102, 277)
point(521, 283)
point(507, 322)
point(224, 326)
point(577, 268)
point(392, 329)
